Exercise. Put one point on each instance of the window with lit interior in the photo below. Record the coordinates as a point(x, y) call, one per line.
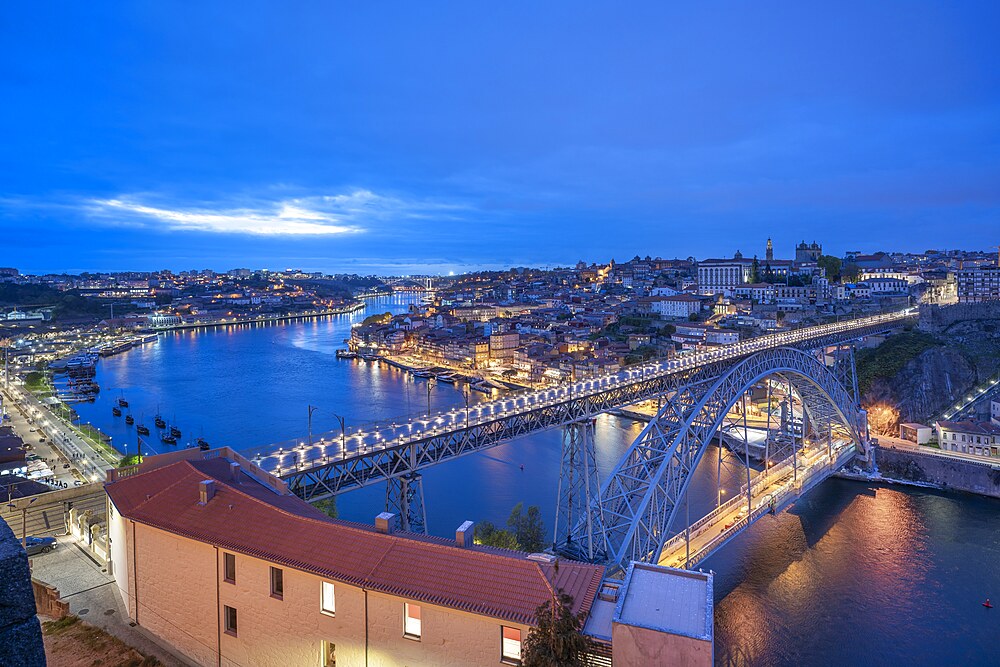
point(510, 645)
point(411, 620)
point(328, 601)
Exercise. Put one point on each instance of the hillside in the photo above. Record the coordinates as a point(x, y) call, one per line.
point(921, 372)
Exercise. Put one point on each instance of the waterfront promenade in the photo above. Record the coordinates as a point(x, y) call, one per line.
point(262, 319)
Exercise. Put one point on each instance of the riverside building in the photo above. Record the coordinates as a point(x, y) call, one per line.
point(220, 561)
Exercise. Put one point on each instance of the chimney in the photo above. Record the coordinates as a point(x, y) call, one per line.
point(384, 521)
point(234, 471)
point(206, 490)
point(464, 534)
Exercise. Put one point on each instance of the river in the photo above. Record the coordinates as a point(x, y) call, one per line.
point(850, 575)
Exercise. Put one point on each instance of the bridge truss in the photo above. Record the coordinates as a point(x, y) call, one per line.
point(632, 517)
point(644, 492)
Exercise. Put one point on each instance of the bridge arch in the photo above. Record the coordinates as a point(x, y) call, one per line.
point(640, 500)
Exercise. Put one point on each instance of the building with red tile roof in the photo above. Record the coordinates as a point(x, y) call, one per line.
point(178, 521)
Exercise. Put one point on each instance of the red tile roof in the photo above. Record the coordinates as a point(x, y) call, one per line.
point(247, 517)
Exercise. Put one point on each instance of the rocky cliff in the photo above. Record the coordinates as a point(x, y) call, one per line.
point(921, 373)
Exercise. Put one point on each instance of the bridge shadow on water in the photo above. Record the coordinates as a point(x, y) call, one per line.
point(750, 556)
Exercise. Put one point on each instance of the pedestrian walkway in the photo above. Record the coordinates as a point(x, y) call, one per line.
point(93, 596)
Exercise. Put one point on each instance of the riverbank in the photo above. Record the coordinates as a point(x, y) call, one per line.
point(924, 468)
point(264, 319)
point(419, 368)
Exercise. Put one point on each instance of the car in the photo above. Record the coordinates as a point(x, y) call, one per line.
point(39, 545)
point(66, 466)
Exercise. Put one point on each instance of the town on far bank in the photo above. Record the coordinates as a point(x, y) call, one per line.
point(928, 387)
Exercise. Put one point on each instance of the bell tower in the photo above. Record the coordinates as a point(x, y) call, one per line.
point(769, 255)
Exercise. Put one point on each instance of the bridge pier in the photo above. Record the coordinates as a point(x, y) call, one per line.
point(579, 497)
point(404, 496)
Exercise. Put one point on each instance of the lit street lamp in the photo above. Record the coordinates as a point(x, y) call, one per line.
point(312, 408)
point(343, 435)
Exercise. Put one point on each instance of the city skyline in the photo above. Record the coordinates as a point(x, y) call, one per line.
point(426, 141)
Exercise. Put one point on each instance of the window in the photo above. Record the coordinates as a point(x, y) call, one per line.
point(329, 654)
point(277, 583)
point(510, 646)
point(229, 617)
point(229, 567)
point(411, 620)
point(327, 602)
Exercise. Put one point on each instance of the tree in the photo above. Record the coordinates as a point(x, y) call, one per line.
point(489, 535)
point(850, 273)
point(130, 460)
point(557, 639)
point(831, 265)
point(755, 271)
point(328, 506)
point(527, 527)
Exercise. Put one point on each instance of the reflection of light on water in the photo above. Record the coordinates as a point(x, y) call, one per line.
point(802, 564)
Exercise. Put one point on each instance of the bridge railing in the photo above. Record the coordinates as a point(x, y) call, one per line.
point(528, 401)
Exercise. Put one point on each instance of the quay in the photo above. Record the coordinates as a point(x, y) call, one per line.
point(263, 319)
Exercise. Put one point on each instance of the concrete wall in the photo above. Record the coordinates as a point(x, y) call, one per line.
point(634, 646)
point(47, 515)
point(20, 632)
point(118, 560)
point(174, 587)
point(946, 472)
point(173, 590)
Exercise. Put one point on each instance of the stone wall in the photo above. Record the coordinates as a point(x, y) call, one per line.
point(20, 632)
point(936, 319)
point(950, 473)
point(47, 602)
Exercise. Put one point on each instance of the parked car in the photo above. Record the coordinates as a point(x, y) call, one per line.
point(65, 466)
point(39, 545)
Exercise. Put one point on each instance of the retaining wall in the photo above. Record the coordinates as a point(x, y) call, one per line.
point(935, 318)
point(950, 473)
point(20, 632)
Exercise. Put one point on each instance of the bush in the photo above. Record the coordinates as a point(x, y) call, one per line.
point(888, 359)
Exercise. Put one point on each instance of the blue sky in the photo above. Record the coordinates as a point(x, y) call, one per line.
point(395, 137)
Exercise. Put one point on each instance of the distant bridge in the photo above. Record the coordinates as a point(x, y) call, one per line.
point(631, 515)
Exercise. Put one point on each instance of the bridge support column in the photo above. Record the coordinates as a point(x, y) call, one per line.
point(578, 504)
point(404, 496)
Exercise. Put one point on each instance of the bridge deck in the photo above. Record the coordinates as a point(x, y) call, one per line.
point(779, 488)
point(348, 460)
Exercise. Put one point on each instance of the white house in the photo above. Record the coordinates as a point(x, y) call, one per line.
point(969, 437)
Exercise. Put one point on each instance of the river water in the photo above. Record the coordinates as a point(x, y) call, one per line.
point(851, 575)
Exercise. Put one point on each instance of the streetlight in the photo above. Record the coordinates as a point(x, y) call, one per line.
point(465, 394)
point(431, 383)
point(312, 408)
point(343, 435)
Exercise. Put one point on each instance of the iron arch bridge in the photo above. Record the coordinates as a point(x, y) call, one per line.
point(631, 515)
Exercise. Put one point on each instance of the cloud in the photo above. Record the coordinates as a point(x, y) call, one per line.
point(315, 215)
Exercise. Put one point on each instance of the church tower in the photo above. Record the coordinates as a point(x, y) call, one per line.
point(769, 255)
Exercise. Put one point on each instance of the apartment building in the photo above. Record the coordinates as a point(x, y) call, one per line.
point(978, 284)
point(969, 437)
point(722, 276)
point(219, 560)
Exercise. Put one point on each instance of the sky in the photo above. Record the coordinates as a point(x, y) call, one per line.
point(403, 137)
